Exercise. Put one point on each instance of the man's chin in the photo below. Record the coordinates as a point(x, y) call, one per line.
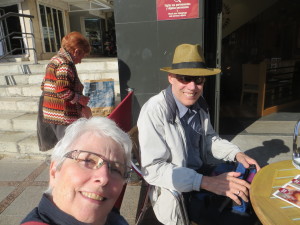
point(190, 102)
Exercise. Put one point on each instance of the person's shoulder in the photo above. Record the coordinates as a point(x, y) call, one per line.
point(34, 223)
point(115, 218)
point(33, 218)
point(156, 106)
point(154, 109)
point(58, 60)
point(155, 101)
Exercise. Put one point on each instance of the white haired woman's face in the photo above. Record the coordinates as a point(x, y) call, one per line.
point(91, 180)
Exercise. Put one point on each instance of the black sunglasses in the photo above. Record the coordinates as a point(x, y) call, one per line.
point(187, 79)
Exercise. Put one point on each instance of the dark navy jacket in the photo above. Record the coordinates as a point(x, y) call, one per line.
point(47, 213)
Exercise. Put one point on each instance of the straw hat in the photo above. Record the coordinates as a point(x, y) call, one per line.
point(188, 60)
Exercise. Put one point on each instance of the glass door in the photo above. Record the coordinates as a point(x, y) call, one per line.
point(94, 29)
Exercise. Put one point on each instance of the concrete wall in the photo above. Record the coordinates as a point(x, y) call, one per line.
point(145, 45)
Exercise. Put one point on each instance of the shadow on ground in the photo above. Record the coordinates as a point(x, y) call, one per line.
point(270, 149)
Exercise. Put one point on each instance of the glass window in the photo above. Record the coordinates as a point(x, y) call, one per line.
point(52, 27)
point(56, 27)
point(61, 22)
point(44, 28)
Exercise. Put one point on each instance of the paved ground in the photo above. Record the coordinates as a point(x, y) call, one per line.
point(22, 181)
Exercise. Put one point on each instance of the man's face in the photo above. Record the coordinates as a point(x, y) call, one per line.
point(186, 89)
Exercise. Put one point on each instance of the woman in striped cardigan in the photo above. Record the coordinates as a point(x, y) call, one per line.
point(62, 101)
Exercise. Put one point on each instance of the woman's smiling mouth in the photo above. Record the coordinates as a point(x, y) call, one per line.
point(93, 196)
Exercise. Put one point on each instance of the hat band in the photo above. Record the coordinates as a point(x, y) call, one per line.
point(185, 65)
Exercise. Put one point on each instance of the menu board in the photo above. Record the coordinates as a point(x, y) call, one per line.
point(177, 9)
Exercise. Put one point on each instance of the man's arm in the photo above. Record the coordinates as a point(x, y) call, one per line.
point(218, 147)
point(227, 184)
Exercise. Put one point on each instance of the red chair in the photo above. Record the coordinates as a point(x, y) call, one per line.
point(122, 115)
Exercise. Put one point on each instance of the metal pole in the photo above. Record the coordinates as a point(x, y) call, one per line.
point(218, 77)
point(33, 41)
point(24, 36)
point(8, 38)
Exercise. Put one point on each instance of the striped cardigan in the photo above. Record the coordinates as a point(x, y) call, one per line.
point(61, 90)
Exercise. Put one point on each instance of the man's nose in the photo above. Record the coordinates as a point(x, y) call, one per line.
point(191, 85)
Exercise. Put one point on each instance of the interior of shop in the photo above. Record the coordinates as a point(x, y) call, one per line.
point(102, 41)
point(261, 66)
point(10, 42)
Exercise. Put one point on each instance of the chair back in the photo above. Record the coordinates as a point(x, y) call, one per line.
point(250, 74)
point(122, 115)
point(134, 135)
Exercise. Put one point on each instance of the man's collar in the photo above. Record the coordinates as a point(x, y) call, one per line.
point(172, 106)
point(182, 109)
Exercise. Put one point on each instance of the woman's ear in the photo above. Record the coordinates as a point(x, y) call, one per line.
point(52, 173)
point(77, 52)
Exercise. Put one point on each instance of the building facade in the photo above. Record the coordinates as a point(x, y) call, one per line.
point(52, 20)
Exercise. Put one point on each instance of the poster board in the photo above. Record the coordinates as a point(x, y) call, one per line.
point(102, 96)
point(177, 9)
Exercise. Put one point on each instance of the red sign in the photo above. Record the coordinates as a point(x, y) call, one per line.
point(177, 9)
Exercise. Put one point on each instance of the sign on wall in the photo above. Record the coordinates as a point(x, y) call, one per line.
point(177, 9)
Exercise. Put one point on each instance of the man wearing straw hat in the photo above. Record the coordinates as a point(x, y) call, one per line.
point(176, 136)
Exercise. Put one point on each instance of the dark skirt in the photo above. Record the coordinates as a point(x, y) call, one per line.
point(48, 134)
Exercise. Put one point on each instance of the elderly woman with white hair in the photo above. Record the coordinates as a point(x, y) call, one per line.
point(88, 169)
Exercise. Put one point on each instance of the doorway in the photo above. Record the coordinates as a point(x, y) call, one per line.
point(94, 30)
point(272, 34)
point(11, 24)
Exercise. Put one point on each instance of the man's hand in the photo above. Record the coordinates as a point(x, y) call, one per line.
point(246, 160)
point(227, 184)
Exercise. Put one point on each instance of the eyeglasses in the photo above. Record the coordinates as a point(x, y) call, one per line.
point(187, 79)
point(94, 161)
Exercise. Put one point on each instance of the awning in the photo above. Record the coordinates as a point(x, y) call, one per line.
point(4, 3)
point(88, 5)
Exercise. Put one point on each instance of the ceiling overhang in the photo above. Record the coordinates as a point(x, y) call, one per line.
point(89, 5)
point(4, 3)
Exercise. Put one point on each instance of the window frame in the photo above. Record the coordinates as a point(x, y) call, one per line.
point(55, 48)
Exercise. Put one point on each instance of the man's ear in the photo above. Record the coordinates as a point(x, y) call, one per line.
point(171, 78)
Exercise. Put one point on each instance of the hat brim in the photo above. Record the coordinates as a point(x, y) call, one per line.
point(192, 71)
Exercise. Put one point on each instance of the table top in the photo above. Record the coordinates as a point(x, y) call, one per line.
point(269, 209)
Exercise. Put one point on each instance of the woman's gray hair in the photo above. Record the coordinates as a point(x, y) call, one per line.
point(100, 125)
